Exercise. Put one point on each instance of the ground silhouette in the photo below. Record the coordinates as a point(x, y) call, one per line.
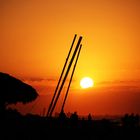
point(35, 127)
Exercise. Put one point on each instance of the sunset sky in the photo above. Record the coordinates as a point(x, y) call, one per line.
point(35, 37)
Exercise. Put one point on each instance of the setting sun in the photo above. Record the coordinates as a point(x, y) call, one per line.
point(86, 82)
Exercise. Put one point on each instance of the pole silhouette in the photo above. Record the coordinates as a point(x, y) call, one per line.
point(64, 79)
point(52, 101)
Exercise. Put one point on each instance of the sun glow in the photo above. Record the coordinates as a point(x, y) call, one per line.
point(86, 82)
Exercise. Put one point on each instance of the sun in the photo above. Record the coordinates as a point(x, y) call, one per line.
point(86, 82)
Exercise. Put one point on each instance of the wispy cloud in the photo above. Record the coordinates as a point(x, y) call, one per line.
point(53, 79)
point(39, 79)
point(121, 82)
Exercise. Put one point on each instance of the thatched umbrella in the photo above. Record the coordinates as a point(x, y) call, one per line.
point(13, 90)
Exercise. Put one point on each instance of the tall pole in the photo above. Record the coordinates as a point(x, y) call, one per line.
point(79, 41)
point(62, 109)
point(50, 106)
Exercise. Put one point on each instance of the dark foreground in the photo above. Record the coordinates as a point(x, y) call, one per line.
point(30, 127)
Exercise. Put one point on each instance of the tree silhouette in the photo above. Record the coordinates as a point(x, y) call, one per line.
point(13, 90)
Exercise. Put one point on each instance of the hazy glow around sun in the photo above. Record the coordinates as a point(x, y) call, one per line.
point(86, 82)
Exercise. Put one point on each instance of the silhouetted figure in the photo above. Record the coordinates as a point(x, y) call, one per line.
point(74, 118)
point(125, 120)
point(62, 116)
point(89, 117)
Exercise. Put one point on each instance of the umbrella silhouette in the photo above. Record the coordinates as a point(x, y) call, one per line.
point(13, 90)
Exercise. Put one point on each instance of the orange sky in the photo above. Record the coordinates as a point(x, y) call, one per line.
point(36, 36)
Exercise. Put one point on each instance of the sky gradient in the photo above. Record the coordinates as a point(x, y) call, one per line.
point(36, 36)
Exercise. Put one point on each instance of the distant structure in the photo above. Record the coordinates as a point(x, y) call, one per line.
point(64, 72)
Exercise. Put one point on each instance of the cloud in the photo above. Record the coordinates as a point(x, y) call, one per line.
point(53, 79)
point(39, 79)
point(121, 82)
